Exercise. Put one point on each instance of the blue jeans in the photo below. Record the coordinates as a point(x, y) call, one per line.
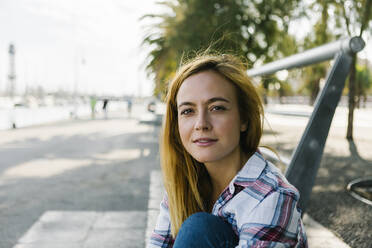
point(205, 230)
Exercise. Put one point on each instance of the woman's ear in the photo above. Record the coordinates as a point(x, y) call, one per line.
point(243, 127)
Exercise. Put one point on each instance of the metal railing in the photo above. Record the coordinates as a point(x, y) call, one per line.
point(305, 160)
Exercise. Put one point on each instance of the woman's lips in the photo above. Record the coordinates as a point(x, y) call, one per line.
point(205, 141)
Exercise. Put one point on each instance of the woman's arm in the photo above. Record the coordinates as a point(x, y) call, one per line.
point(161, 236)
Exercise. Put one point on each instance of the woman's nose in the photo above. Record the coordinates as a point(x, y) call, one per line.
point(202, 122)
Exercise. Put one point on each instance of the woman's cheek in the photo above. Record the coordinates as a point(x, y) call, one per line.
point(184, 128)
point(226, 123)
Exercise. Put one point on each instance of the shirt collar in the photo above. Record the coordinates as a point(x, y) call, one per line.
point(250, 171)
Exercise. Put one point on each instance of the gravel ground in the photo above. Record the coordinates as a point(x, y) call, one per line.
point(342, 162)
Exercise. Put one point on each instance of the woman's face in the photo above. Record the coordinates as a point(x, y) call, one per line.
point(208, 117)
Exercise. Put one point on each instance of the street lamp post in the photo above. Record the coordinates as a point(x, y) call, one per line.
point(11, 75)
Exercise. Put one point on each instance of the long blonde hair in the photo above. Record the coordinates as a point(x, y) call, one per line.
point(184, 177)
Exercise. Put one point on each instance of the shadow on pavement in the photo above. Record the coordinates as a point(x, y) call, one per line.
point(330, 203)
point(87, 172)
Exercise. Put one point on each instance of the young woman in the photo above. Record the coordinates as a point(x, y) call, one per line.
point(220, 192)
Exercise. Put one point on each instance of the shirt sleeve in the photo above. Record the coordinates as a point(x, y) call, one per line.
point(274, 222)
point(161, 236)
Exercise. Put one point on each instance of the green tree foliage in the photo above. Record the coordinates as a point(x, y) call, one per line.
point(363, 81)
point(320, 36)
point(255, 30)
point(158, 38)
point(354, 17)
point(339, 18)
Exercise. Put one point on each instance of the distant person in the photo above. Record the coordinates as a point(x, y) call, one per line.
point(105, 107)
point(220, 191)
point(151, 107)
point(93, 102)
point(12, 117)
point(129, 107)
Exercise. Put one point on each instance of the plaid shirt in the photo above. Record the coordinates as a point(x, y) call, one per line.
point(260, 205)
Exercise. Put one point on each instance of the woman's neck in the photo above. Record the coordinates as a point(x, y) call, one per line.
point(223, 171)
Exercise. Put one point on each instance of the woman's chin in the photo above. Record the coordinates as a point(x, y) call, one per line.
point(204, 159)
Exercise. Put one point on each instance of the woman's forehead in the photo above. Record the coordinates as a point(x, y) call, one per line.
point(205, 85)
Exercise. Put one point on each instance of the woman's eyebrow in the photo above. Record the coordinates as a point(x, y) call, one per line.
point(212, 100)
point(217, 99)
point(186, 103)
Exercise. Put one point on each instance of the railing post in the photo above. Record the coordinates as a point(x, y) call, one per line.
point(306, 158)
point(304, 164)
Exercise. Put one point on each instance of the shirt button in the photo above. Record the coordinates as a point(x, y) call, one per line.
point(231, 188)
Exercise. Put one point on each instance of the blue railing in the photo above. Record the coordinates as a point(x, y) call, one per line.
point(304, 163)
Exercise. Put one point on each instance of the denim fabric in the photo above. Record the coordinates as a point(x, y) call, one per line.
point(205, 230)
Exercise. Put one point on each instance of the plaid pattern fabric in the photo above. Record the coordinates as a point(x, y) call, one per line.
point(260, 205)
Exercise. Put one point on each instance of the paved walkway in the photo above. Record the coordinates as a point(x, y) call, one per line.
point(56, 229)
point(91, 229)
point(78, 229)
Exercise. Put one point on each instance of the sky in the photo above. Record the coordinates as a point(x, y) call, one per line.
point(93, 45)
point(90, 45)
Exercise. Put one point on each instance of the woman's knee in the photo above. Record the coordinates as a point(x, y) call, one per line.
point(204, 224)
point(205, 230)
point(200, 220)
point(195, 231)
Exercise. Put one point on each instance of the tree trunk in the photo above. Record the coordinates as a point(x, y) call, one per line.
point(350, 121)
point(265, 84)
point(314, 91)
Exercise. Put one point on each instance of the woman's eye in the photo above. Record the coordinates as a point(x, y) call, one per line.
point(218, 108)
point(186, 111)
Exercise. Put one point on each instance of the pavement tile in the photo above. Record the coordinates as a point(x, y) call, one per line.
point(320, 237)
point(65, 245)
point(59, 227)
point(73, 217)
point(152, 215)
point(118, 237)
point(53, 232)
point(320, 242)
point(128, 220)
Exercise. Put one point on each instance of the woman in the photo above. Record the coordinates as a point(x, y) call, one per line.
point(220, 192)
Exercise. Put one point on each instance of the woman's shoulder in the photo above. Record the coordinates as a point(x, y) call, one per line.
point(281, 182)
point(263, 194)
point(259, 178)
